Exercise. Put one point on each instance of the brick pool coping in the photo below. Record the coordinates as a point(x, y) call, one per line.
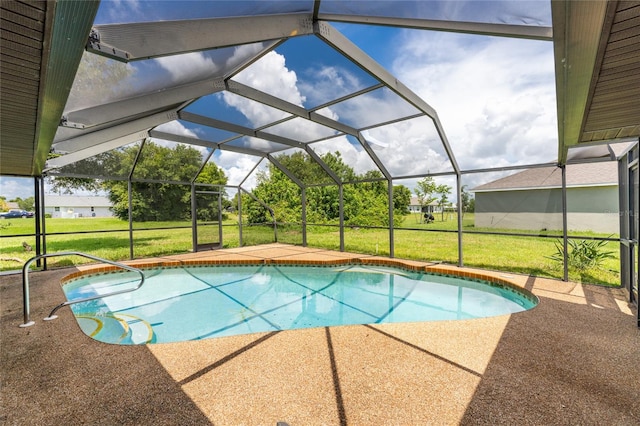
point(300, 256)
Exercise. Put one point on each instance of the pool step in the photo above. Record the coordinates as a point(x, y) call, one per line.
point(120, 329)
point(140, 331)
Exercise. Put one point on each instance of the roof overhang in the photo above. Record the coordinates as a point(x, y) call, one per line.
point(597, 56)
point(42, 44)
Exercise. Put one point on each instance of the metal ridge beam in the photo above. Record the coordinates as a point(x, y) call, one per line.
point(278, 103)
point(204, 143)
point(93, 150)
point(101, 136)
point(144, 40)
point(104, 113)
point(247, 131)
point(342, 44)
point(286, 171)
point(532, 32)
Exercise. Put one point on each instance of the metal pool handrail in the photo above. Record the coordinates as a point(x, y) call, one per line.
point(25, 283)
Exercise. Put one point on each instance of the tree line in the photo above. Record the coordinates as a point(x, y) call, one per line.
point(156, 196)
point(365, 203)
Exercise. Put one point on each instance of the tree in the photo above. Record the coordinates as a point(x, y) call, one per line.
point(467, 203)
point(277, 191)
point(401, 199)
point(425, 187)
point(3, 204)
point(443, 191)
point(151, 201)
point(163, 200)
point(364, 203)
point(26, 204)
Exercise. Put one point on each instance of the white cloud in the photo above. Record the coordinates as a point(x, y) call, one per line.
point(188, 66)
point(176, 128)
point(495, 96)
point(237, 167)
point(270, 75)
point(241, 53)
point(328, 83)
point(14, 187)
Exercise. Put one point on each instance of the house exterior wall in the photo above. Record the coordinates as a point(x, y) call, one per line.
point(68, 207)
point(588, 209)
point(76, 212)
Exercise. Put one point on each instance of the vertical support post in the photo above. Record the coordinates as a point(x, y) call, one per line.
point(44, 226)
point(239, 217)
point(130, 199)
point(341, 212)
point(129, 193)
point(565, 245)
point(220, 191)
point(390, 198)
point(194, 219)
point(38, 214)
point(460, 213)
point(624, 198)
point(304, 216)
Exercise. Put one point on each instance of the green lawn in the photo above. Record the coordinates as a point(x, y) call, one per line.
point(528, 255)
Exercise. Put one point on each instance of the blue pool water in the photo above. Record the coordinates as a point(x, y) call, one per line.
point(193, 303)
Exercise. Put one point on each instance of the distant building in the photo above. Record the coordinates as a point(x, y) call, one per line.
point(414, 206)
point(433, 207)
point(71, 206)
point(532, 199)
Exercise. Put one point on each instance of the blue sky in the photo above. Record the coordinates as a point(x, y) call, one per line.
point(494, 96)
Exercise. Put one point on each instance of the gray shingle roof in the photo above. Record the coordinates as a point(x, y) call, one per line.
point(586, 174)
point(76, 201)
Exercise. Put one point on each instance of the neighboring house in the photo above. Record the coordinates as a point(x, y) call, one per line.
point(71, 206)
point(414, 206)
point(532, 199)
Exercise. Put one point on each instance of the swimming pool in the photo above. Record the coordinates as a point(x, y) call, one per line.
point(199, 302)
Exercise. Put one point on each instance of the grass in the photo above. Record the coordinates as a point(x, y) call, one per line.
point(527, 255)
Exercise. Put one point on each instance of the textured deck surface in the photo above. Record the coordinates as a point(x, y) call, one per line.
point(571, 360)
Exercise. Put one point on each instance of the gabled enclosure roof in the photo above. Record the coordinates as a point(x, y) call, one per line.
point(596, 45)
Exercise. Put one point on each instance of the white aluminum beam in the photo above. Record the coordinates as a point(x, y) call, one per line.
point(144, 40)
point(532, 32)
point(98, 137)
point(93, 150)
point(162, 99)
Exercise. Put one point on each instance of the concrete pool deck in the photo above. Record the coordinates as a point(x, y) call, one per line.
point(571, 360)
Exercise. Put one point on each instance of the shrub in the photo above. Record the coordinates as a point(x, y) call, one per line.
point(582, 254)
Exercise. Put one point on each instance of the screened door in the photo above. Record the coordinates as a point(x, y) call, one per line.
point(207, 220)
